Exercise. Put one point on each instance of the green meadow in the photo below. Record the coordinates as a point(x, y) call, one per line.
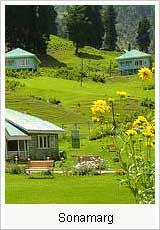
point(104, 189)
point(35, 95)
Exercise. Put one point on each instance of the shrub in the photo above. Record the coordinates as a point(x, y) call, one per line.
point(149, 87)
point(15, 169)
point(54, 101)
point(99, 78)
point(22, 74)
point(116, 159)
point(12, 84)
point(100, 131)
point(85, 168)
point(149, 103)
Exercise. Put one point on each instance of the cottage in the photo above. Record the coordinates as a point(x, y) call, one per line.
point(29, 136)
point(21, 59)
point(133, 60)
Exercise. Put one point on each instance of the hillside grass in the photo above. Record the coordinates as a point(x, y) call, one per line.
point(104, 189)
point(32, 95)
point(74, 109)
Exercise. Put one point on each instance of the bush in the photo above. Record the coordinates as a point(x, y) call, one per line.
point(14, 169)
point(12, 84)
point(85, 168)
point(149, 103)
point(67, 73)
point(62, 154)
point(149, 87)
point(22, 74)
point(116, 159)
point(54, 101)
point(99, 78)
point(100, 131)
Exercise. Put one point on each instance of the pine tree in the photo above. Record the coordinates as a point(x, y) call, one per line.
point(29, 27)
point(110, 36)
point(143, 37)
point(84, 26)
point(96, 26)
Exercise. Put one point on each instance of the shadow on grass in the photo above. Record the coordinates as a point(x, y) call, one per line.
point(90, 56)
point(49, 61)
point(40, 176)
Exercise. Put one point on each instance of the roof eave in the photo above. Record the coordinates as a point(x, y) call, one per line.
point(133, 57)
point(45, 131)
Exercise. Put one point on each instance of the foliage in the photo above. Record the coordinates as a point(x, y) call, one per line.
point(110, 37)
point(12, 84)
point(139, 168)
point(143, 37)
point(84, 26)
point(99, 131)
point(85, 168)
point(54, 101)
point(121, 94)
point(148, 102)
point(99, 78)
point(57, 43)
point(14, 169)
point(134, 148)
point(21, 73)
point(149, 87)
point(128, 17)
point(29, 26)
point(99, 109)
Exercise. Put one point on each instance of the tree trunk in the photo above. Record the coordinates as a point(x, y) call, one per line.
point(76, 50)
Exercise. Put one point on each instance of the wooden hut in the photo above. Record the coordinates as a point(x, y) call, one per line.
point(21, 59)
point(133, 60)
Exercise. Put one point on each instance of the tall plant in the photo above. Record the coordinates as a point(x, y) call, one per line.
point(134, 147)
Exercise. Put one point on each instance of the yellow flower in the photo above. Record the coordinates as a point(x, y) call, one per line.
point(131, 132)
point(145, 74)
point(149, 131)
point(110, 99)
point(121, 93)
point(96, 119)
point(99, 108)
point(149, 144)
point(141, 122)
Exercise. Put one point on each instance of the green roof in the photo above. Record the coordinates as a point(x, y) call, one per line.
point(12, 132)
point(30, 124)
point(133, 54)
point(18, 53)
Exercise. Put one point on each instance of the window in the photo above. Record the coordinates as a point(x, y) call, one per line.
point(23, 62)
point(140, 62)
point(9, 62)
point(43, 142)
point(136, 63)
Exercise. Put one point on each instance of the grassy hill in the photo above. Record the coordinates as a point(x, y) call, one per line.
point(49, 94)
point(55, 93)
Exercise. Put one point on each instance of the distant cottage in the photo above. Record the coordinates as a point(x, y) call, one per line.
point(21, 59)
point(133, 60)
point(29, 136)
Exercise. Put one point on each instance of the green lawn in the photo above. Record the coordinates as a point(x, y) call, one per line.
point(104, 189)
